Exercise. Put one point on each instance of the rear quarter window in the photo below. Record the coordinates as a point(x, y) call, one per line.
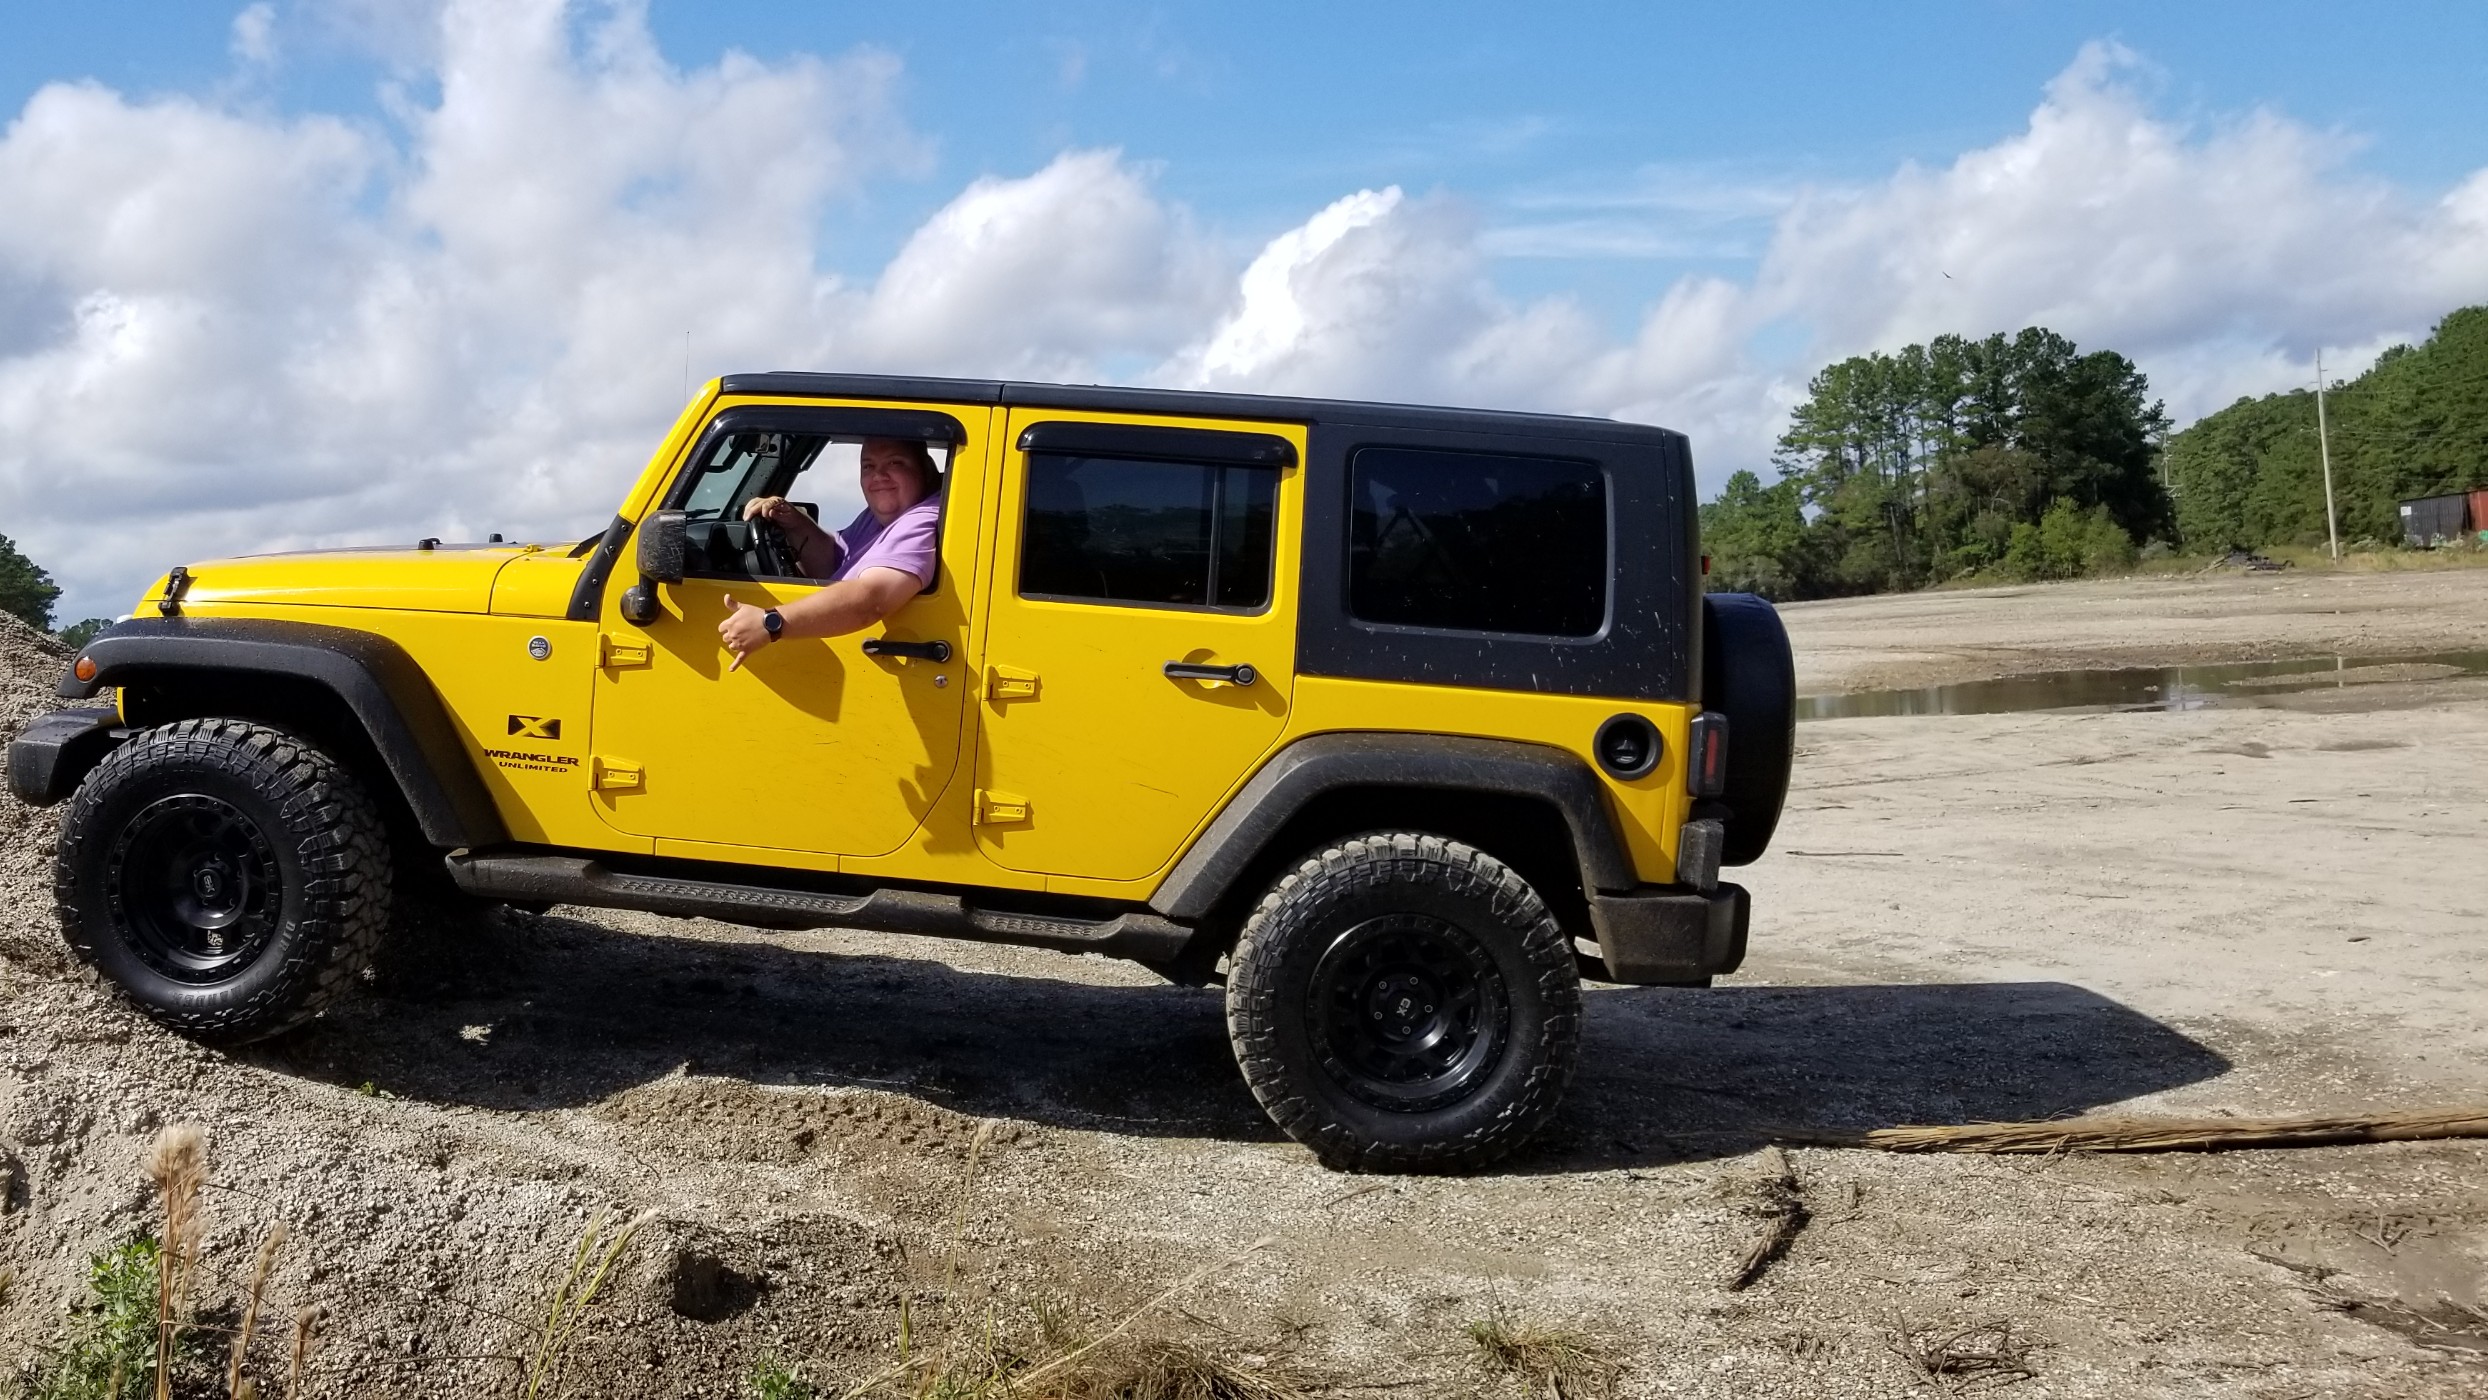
point(1478, 542)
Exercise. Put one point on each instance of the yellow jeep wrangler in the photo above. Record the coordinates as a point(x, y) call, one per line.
point(1400, 721)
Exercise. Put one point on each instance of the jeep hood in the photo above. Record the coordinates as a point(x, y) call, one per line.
point(456, 578)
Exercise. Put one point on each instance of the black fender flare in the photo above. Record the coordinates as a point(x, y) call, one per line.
point(1749, 674)
point(379, 684)
point(1323, 763)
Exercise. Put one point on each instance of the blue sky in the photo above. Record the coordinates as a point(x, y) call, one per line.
point(293, 272)
point(1543, 116)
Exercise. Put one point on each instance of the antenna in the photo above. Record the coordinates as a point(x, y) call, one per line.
point(686, 366)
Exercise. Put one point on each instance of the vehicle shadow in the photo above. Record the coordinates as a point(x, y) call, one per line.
point(551, 1013)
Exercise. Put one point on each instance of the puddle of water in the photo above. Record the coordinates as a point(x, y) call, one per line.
point(2142, 687)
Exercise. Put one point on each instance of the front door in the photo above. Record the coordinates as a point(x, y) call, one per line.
point(813, 745)
point(1139, 562)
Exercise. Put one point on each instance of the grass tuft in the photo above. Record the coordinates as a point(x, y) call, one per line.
point(177, 1164)
point(565, 1313)
point(1544, 1362)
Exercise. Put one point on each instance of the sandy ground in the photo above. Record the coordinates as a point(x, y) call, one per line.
point(2244, 910)
point(2226, 615)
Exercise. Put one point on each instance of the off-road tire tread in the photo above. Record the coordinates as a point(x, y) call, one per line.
point(339, 839)
point(1389, 856)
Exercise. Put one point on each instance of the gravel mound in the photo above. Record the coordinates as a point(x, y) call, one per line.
point(30, 666)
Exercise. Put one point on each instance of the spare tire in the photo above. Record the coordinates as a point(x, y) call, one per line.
point(1749, 675)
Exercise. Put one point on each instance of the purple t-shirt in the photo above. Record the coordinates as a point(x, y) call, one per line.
point(906, 543)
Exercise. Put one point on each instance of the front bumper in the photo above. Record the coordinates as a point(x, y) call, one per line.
point(55, 753)
point(1671, 936)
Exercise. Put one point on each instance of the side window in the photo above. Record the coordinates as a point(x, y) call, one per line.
point(1154, 533)
point(1477, 542)
point(732, 470)
point(817, 471)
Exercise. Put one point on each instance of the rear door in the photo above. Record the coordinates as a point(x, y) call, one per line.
point(1139, 563)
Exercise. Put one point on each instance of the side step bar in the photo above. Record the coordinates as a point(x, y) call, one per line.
point(551, 879)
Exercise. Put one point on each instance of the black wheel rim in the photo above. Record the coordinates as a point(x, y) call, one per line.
point(1409, 1012)
point(197, 885)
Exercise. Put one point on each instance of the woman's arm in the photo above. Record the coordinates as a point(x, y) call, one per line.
point(849, 605)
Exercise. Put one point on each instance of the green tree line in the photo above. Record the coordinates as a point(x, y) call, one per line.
point(2415, 425)
point(28, 593)
point(2019, 454)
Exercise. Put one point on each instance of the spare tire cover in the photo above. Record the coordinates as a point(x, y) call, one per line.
point(1749, 675)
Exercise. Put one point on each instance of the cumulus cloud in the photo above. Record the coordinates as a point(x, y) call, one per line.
point(223, 329)
point(2115, 226)
point(2220, 259)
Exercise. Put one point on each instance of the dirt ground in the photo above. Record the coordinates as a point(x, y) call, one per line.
point(2248, 910)
point(1952, 635)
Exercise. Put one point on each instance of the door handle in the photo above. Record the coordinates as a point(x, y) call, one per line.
point(923, 651)
point(1239, 674)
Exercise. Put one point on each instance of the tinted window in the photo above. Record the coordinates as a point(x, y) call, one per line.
point(1477, 543)
point(1182, 534)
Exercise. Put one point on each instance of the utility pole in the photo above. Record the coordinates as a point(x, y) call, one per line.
point(2323, 445)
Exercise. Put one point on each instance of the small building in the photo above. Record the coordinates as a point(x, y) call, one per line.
point(2431, 521)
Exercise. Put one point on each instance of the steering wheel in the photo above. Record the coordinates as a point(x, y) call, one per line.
point(772, 556)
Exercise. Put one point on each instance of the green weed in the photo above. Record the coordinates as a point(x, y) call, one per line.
point(109, 1352)
point(772, 1379)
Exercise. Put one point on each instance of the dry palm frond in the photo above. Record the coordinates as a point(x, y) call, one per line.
point(250, 1310)
point(2119, 1133)
point(1782, 1205)
point(1984, 1354)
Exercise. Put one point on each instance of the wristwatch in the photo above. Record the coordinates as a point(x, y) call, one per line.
point(772, 623)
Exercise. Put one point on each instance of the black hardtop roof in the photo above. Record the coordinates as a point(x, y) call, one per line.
point(1112, 399)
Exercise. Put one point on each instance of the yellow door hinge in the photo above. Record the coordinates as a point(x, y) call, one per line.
point(999, 808)
point(614, 775)
point(616, 652)
point(1009, 683)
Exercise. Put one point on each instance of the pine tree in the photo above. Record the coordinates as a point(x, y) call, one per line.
point(26, 591)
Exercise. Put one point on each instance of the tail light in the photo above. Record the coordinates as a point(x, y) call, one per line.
point(1706, 766)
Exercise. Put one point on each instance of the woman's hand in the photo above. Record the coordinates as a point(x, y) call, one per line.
point(745, 630)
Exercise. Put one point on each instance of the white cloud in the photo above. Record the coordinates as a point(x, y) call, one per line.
point(2120, 228)
point(223, 329)
point(2220, 260)
point(1042, 278)
point(253, 40)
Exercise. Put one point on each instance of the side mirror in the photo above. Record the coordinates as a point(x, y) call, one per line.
point(661, 546)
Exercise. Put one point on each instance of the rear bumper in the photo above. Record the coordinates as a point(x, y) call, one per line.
point(56, 752)
point(1660, 936)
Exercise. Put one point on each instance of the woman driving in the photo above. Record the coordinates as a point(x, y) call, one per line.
point(884, 557)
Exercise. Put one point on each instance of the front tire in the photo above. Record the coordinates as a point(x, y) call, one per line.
point(230, 879)
point(1404, 1002)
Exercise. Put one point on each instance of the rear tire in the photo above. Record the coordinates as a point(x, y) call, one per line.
point(1404, 1002)
point(230, 879)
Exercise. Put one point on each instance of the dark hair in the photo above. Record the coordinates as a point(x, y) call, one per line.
point(928, 475)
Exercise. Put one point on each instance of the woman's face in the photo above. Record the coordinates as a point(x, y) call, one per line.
point(891, 480)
